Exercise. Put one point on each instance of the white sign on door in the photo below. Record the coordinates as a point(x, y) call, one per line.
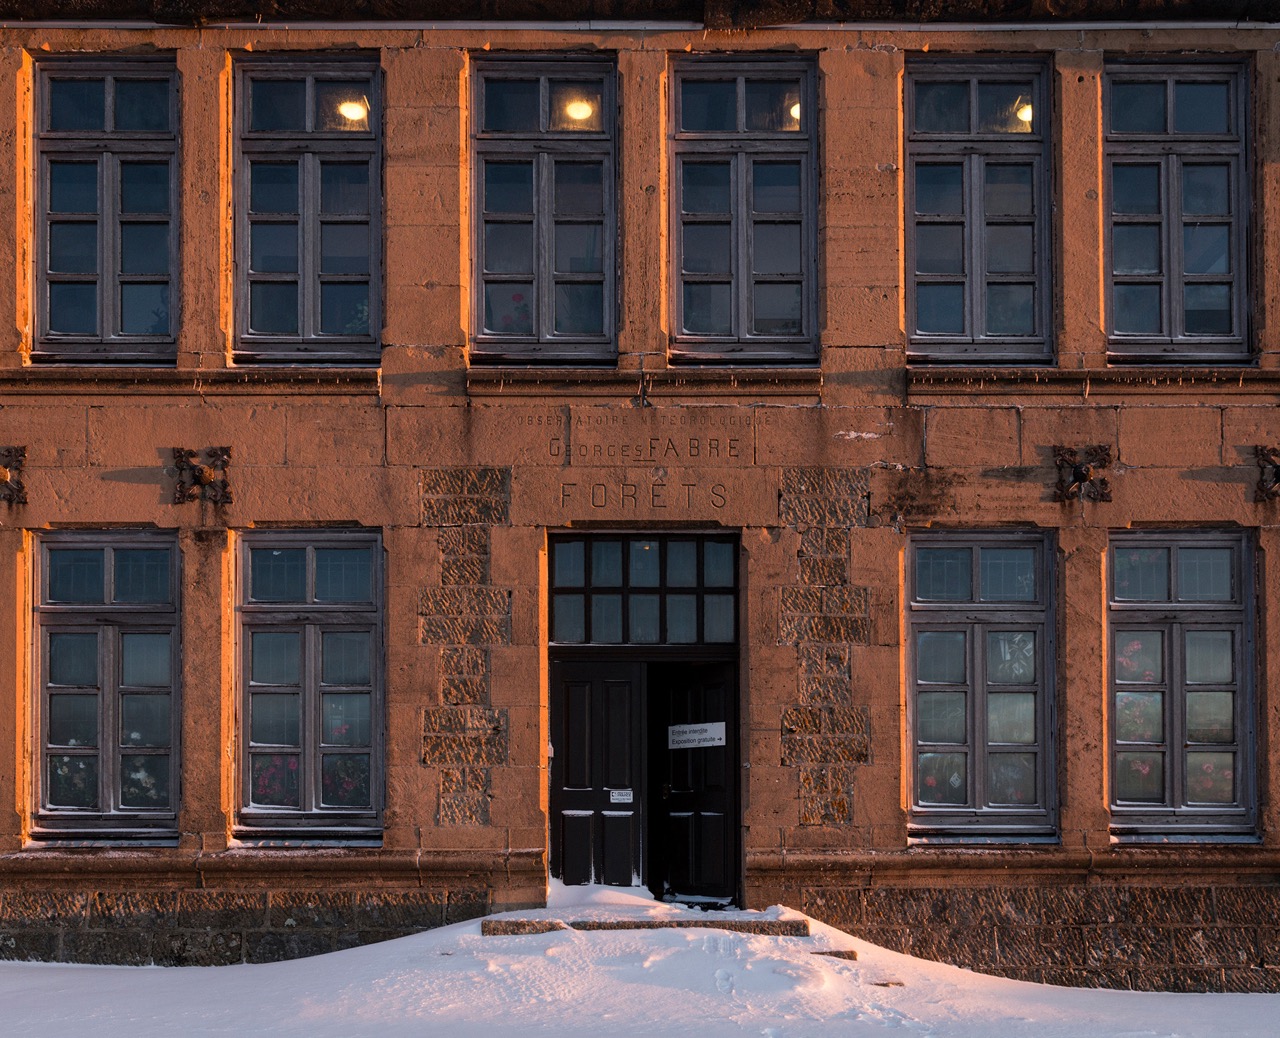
point(695, 736)
point(621, 796)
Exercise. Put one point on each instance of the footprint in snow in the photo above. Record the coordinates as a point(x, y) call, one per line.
point(724, 981)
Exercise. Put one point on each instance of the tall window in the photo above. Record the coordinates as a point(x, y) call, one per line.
point(744, 212)
point(979, 285)
point(107, 241)
point(108, 677)
point(308, 211)
point(311, 651)
point(981, 680)
point(546, 213)
point(1181, 684)
point(1178, 225)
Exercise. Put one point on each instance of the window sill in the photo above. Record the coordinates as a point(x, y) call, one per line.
point(63, 380)
point(1091, 383)
point(643, 387)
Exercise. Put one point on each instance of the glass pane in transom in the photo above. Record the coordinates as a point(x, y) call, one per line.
point(1006, 107)
point(577, 106)
point(944, 574)
point(1141, 574)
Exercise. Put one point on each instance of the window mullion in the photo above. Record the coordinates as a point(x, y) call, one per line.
point(308, 243)
point(975, 254)
point(741, 288)
point(309, 765)
point(1175, 222)
point(544, 229)
point(977, 735)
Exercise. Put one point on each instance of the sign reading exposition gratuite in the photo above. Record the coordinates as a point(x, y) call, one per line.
point(694, 736)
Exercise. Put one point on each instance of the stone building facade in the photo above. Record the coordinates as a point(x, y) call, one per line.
point(831, 463)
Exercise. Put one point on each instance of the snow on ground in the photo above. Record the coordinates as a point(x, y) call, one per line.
point(455, 983)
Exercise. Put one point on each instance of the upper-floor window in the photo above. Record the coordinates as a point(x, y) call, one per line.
point(1177, 210)
point(546, 211)
point(744, 211)
point(979, 286)
point(308, 211)
point(106, 247)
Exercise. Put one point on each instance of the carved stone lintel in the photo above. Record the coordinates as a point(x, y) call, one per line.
point(12, 461)
point(1080, 473)
point(1268, 459)
point(202, 475)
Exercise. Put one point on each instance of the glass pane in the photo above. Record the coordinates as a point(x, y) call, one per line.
point(144, 248)
point(643, 619)
point(1011, 309)
point(939, 248)
point(508, 307)
point(145, 660)
point(704, 187)
point(144, 780)
point(568, 565)
point(344, 187)
point(1135, 248)
point(778, 309)
point(273, 187)
point(606, 563)
point(278, 574)
point(276, 104)
point(941, 717)
point(73, 720)
point(1010, 249)
point(75, 575)
point(1205, 574)
point(344, 308)
point(1008, 191)
point(1139, 656)
point(73, 782)
point(579, 248)
point(944, 574)
point(568, 624)
point(342, 107)
point(1211, 778)
point(1008, 575)
point(1138, 108)
point(73, 248)
point(773, 105)
point(274, 779)
point(942, 108)
point(73, 187)
point(276, 658)
point(77, 104)
point(345, 658)
point(142, 105)
point(719, 564)
point(1209, 657)
point(682, 619)
point(73, 659)
point(345, 780)
point(1206, 249)
point(606, 619)
point(682, 564)
point(717, 620)
point(1011, 717)
point(775, 248)
point(1141, 574)
point(1207, 309)
point(273, 307)
point(1135, 190)
point(708, 106)
point(1137, 309)
point(508, 248)
point(344, 248)
point(144, 188)
point(1140, 716)
point(1005, 108)
point(644, 569)
point(579, 189)
point(707, 309)
point(940, 656)
point(145, 721)
point(707, 248)
point(940, 309)
point(941, 778)
point(775, 187)
point(1011, 657)
point(344, 575)
point(579, 309)
point(1211, 716)
point(1011, 778)
point(511, 105)
point(273, 719)
point(73, 309)
point(1140, 777)
point(1201, 108)
point(347, 719)
point(273, 248)
point(1206, 190)
point(144, 309)
point(577, 106)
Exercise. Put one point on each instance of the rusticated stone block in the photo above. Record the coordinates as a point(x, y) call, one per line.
point(274, 947)
point(465, 601)
point(464, 540)
point(464, 676)
point(824, 796)
point(793, 628)
point(37, 909)
point(466, 904)
point(823, 497)
point(310, 910)
point(455, 691)
point(466, 496)
point(464, 736)
point(24, 945)
point(472, 569)
point(464, 630)
point(107, 947)
point(824, 571)
point(133, 909)
point(172, 948)
point(406, 911)
point(465, 794)
point(471, 482)
point(221, 910)
point(465, 616)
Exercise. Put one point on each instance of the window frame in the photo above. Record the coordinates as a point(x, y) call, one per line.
point(311, 820)
point(974, 150)
point(975, 821)
point(309, 345)
point(1169, 150)
point(1176, 817)
point(742, 147)
point(109, 620)
point(108, 148)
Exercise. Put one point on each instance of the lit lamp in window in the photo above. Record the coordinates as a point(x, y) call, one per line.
point(1025, 113)
point(355, 112)
point(575, 106)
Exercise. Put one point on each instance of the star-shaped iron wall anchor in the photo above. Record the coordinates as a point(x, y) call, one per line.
point(12, 461)
point(1080, 473)
point(202, 475)
point(1268, 459)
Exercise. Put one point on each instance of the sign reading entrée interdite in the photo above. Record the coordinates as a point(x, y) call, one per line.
point(694, 736)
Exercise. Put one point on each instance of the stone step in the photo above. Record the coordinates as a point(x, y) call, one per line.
point(764, 927)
